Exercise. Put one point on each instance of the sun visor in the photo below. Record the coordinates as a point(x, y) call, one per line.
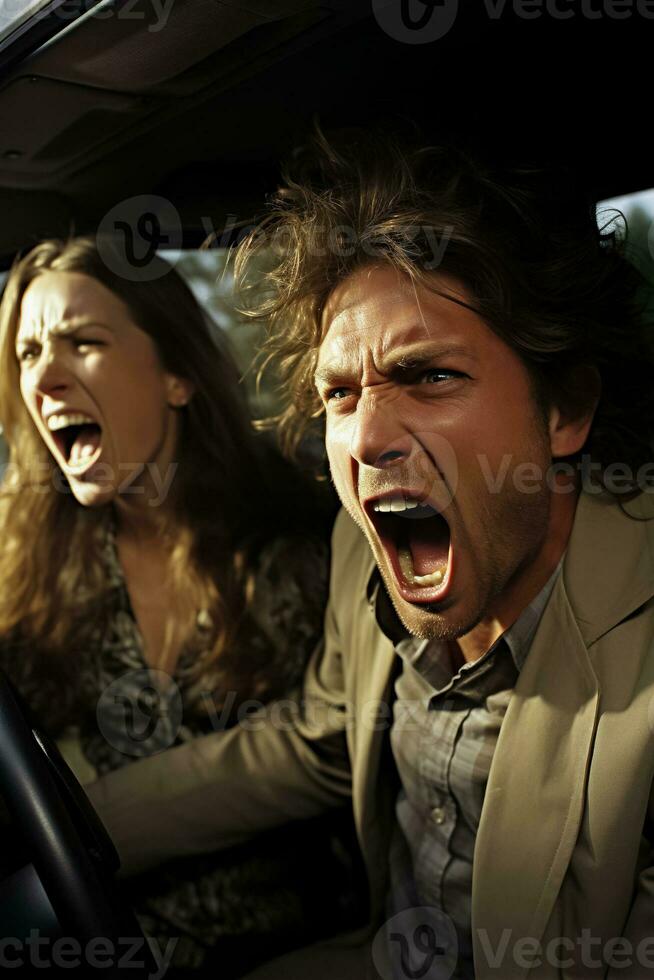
point(44, 122)
point(148, 43)
point(106, 79)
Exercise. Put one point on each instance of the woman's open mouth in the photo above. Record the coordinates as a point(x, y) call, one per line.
point(417, 541)
point(78, 438)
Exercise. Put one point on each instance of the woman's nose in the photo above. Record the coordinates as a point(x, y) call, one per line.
point(49, 374)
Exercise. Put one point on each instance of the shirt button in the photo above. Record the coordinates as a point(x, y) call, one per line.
point(438, 815)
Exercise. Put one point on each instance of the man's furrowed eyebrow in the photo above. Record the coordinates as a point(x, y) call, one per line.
point(328, 377)
point(424, 355)
point(396, 361)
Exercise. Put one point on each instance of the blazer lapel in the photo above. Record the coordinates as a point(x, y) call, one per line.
point(536, 790)
point(375, 780)
point(535, 795)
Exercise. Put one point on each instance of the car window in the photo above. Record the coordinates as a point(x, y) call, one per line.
point(636, 213)
point(209, 274)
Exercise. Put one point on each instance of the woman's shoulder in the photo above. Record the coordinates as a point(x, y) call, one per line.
point(292, 557)
point(288, 595)
point(291, 577)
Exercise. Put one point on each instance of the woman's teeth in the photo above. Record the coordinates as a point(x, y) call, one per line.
point(406, 566)
point(64, 419)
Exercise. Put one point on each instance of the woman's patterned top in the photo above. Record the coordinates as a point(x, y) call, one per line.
point(285, 888)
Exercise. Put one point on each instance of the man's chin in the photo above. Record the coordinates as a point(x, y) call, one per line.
point(427, 621)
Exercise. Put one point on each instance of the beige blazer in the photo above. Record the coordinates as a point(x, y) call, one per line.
point(559, 848)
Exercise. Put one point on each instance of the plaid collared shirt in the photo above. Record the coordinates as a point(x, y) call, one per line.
point(445, 729)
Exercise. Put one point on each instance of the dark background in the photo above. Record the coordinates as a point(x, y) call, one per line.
point(201, 110)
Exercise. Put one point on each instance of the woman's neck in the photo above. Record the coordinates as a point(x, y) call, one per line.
point(138, 525)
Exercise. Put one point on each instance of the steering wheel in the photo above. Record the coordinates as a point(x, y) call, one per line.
point(60, 884)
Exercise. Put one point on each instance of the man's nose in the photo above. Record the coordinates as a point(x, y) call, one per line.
point(379, 438)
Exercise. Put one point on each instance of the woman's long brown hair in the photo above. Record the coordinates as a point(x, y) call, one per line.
point(223, 501)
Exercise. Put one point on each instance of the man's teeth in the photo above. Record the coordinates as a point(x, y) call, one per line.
point(406, 566)
point(395, 505)
point(64, 419)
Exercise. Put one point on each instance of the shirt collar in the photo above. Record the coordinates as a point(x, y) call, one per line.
point(519, 636)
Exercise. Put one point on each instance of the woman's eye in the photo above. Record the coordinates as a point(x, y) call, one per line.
point(27, 354)
point(87, 342)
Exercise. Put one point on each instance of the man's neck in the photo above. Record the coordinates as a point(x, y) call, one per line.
point(524, 585)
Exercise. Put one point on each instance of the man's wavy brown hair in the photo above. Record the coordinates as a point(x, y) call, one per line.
point(525, 243)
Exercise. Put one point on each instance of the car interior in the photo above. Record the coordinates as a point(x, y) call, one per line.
point(189, 106)
point(201, 109)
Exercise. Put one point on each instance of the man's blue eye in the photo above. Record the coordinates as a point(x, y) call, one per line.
point(434, 374)
point(337, 393)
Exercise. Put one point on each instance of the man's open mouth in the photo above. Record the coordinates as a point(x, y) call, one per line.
point(416, 539)
point(78, 438)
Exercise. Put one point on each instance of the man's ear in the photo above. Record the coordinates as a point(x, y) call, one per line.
point(179, 391)
point(569, 425)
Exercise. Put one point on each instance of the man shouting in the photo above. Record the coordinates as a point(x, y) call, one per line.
point(484, 691)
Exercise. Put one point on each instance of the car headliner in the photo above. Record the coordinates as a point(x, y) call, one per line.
point(201, 110)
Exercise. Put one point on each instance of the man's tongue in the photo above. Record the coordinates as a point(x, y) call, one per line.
point(427, 543)
point(85, 444)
